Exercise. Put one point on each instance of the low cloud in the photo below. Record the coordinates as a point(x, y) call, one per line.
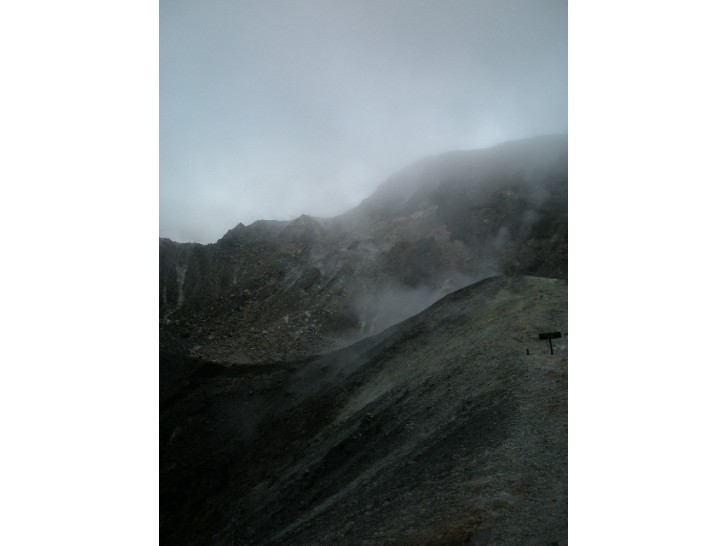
point(272, 109)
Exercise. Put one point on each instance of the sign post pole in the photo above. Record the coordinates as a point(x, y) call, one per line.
point(550, 336)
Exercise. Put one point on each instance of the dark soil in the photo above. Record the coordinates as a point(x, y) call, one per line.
point(439, 430)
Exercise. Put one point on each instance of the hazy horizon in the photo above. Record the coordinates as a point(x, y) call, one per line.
point(270, 110)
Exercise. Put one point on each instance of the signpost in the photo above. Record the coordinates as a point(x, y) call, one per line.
point(550, 336)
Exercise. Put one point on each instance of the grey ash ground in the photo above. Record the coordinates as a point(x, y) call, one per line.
point(440, 430)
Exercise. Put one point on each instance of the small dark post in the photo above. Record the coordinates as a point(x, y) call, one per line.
point(550, 336)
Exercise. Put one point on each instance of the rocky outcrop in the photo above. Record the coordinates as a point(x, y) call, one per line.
point(283, 290)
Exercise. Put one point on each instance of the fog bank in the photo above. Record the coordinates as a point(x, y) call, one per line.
point(277, 108)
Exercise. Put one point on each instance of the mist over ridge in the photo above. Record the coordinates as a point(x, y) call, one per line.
point(285, 289)
point(270, 110)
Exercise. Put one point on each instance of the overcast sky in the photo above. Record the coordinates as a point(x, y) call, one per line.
point(272, 109)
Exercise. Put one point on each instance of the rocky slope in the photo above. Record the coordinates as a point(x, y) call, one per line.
point(439, 430)
point(284, 290)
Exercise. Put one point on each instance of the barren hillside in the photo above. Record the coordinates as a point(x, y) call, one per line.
point(439, 430)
